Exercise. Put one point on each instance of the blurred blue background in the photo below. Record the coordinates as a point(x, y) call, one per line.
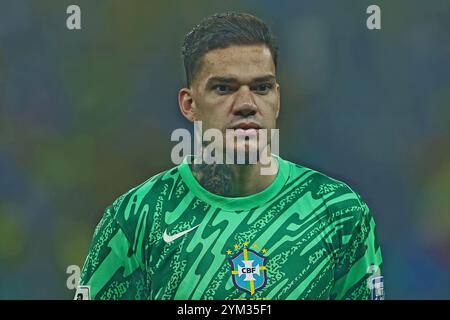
point(86, 115)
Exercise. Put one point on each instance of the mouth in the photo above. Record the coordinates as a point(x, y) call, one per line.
point(246, 129)
point(246, 126)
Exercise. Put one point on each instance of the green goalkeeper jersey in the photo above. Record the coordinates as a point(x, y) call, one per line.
point(306, 236)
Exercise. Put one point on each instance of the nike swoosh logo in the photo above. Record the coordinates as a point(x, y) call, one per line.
point(168, 239)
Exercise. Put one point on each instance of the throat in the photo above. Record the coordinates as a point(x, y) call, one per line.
point(231, 180)
point(216, 178)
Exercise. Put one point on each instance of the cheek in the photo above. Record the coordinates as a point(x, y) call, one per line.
point(213, 113)
point(218, 102)
point(218, 106)
point(268, 105)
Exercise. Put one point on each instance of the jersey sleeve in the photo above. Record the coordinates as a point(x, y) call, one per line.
point(358, 273)
point(111, 270)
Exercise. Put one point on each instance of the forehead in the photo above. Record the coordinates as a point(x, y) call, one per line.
point(243, 62)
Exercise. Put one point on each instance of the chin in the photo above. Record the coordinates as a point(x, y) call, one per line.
point(245, 149)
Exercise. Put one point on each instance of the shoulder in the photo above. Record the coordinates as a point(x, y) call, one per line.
point(341, 209)
point(335, 194)
point(141, 191)
point(135, 207)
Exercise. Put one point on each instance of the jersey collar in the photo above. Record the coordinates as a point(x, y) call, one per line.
point(236, 203)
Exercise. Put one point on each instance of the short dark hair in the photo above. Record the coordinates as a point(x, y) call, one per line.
point(221, 31)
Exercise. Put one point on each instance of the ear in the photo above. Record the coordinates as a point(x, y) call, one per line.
point(278, 104)
point(187, 104)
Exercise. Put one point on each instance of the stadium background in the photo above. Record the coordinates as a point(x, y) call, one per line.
point(86, 115)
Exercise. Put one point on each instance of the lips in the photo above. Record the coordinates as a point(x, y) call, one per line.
point(247, 126)
point(246, 129)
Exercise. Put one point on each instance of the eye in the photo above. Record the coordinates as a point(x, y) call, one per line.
point(263, 88)
point(222, 89)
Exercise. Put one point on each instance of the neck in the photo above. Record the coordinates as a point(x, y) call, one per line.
point(231, 180)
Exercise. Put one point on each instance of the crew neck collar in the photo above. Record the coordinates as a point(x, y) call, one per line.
point(236, 203)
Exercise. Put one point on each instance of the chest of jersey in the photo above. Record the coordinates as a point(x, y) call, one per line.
point(280, 251)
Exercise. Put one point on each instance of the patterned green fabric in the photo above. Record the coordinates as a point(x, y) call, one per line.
point(317, 236)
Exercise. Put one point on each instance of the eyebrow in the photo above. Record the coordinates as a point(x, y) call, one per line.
point(225, 79)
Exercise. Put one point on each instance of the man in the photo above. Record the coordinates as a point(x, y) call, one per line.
point(226, 231)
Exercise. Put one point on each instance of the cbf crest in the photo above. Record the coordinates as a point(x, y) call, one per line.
point(248, 268)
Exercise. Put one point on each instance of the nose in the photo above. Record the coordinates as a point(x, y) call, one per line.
point(244, 105)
